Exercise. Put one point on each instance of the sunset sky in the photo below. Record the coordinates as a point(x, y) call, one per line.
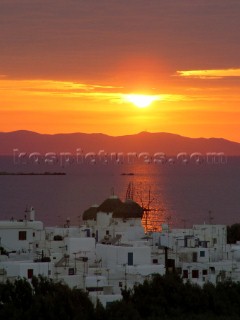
point(77, 66)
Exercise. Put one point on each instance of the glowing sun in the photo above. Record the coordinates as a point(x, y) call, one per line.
point(140, 100)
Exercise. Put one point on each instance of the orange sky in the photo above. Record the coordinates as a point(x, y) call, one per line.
point(67, 66)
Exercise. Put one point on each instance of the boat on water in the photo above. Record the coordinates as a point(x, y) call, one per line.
point(127, 174)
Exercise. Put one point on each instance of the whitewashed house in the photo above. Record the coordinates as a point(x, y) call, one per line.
point(19, 235)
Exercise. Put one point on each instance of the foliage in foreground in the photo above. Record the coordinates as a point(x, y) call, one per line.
point(44, 299)
point(164, 297)
point(168, 297)
point(233, 233)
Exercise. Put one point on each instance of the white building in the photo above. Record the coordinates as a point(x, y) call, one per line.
point(19, 235)
point(111, 251)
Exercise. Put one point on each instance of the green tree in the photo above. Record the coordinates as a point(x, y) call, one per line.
point(43, 299)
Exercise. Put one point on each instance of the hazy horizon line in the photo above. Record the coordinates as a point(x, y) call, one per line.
point(122, 135)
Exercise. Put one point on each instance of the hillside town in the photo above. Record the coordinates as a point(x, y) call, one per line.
point(111, 250)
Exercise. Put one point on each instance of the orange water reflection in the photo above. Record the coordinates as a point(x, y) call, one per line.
point(148, 194)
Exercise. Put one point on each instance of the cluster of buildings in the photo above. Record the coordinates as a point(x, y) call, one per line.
point(111, 251)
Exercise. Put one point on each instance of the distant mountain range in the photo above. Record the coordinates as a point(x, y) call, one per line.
point(170, 144)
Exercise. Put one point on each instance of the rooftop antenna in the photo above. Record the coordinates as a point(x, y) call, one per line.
point(130, 191)
point(147, 210)
point(210, 217)
point(27, 209)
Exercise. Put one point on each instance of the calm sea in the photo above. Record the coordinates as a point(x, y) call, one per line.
point(180, 194)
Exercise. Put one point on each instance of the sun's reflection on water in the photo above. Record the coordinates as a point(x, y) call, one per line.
point(146, 192)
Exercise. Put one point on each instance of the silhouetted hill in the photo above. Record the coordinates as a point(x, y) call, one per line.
point(170, 144)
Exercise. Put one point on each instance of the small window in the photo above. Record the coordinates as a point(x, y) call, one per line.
point(30, 273)
point(202, 254)
point(185, 274)
point(194, 257)
point(33, 234)
point(155, 261)
point(120, 284)
point(205, 272)
point(195, 274)
point(212, 270)
point(71, 271)
point(22, 235)
point(107, 232)
point(130, 258)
